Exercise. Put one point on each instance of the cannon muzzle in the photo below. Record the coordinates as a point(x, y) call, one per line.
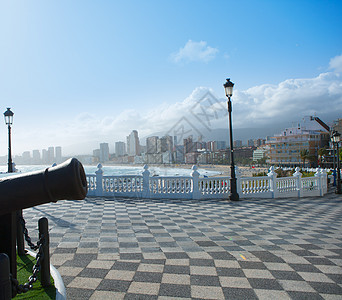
point(65, 181)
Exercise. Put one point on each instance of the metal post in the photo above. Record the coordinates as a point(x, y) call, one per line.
point(5, 282)
point(20, 234)
point(45, 265)
point(233, 190)
point(8, 234)
point(10, 164)
point(338, 185)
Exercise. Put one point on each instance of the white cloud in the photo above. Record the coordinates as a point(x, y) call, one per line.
point(194, 51)
point(336, 63)
point(260, 106)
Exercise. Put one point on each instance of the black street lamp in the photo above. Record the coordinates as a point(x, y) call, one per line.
point(9, 121)
point(228, 87)
point(336, 138)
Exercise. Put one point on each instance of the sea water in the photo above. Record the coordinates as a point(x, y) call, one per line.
point(118, 170)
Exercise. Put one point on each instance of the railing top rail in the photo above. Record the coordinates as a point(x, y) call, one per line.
point(122, 176)
point(170, 177)
point(213, 178)
point(255, 178)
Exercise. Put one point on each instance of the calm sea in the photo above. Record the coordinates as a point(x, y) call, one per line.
point(119, 170)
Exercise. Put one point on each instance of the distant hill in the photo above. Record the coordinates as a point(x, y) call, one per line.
point(222, 134)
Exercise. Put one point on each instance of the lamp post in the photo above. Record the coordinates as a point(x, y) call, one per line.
point(8, 114)
point(336, 138)
point(228, 87)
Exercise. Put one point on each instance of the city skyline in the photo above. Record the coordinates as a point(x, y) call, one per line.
point(78, 73)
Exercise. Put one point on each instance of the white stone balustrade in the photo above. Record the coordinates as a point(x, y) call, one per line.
point(196, 187)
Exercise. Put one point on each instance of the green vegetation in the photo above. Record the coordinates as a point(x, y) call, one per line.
point(304, 155)
point(25, 264)
point(260, 174)
point(282, 173)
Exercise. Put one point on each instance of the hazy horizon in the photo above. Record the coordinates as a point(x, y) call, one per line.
point(79, 73)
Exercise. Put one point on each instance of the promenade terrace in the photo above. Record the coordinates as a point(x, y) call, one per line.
point(121, 248)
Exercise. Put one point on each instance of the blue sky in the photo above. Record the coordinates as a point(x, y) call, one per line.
point(83, 72)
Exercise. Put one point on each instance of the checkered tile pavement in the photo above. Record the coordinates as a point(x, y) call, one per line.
point(213, 249)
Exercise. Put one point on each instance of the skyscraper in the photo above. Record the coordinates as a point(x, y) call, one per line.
point(151, 144)
point(58, 153)
point(104, 152)
point(133, 145)
point(120, 149)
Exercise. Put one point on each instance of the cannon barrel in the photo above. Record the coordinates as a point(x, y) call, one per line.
point(66, 181)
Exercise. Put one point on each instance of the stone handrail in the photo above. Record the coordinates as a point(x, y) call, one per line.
point(196, 187)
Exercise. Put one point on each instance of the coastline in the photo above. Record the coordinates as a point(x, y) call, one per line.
point(224, 170)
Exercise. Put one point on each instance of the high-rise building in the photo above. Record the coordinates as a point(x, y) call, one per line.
point(250, 143)
point(221, 145)
point(188, 145)
point(237, 144)
point(36, 157)
point(164, 144)
point(151, 144)
point(45, 157)
point(104, 152)
point(51, 155)
point(120, 149)
point(26, 157)
point(58, 152)
point(133, 144)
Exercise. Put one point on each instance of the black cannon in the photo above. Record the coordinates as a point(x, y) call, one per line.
point(66, 181)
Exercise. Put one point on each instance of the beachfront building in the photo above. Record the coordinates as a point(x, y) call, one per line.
point(120, 149)
point(36, 157)
point(237, 144)
point(259, 154)
point(58, 153)
point(311, 134)
point(133, 145)
point(151, 144)
point(104, 152)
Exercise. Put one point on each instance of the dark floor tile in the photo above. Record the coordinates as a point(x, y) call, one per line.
point(266, 284)
point(76, 294)
point(239, 293)
point(335, 277)
point(131, 256)
point(319, 261)
point(304, 296)
point(304, 268)
point(232, 272)
point(204, 280)
point(206, 243)
point(148, 277)
point(64, 250)
point(176, 255)
point(303, 253)
point(286, 275)
point(130, 296)
point(93, 273)
point(222, 255)
point(128, 245)
point(175, 290)
point(127, 266)
point(202, 262)
point(326, 288)
point(245, 264)
point(267, 256)
point(177, 269)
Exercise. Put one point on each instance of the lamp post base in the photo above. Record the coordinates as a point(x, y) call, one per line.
point(233, 196)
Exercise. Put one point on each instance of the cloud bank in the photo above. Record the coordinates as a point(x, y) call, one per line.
point(194, 51)
point(257, 107)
